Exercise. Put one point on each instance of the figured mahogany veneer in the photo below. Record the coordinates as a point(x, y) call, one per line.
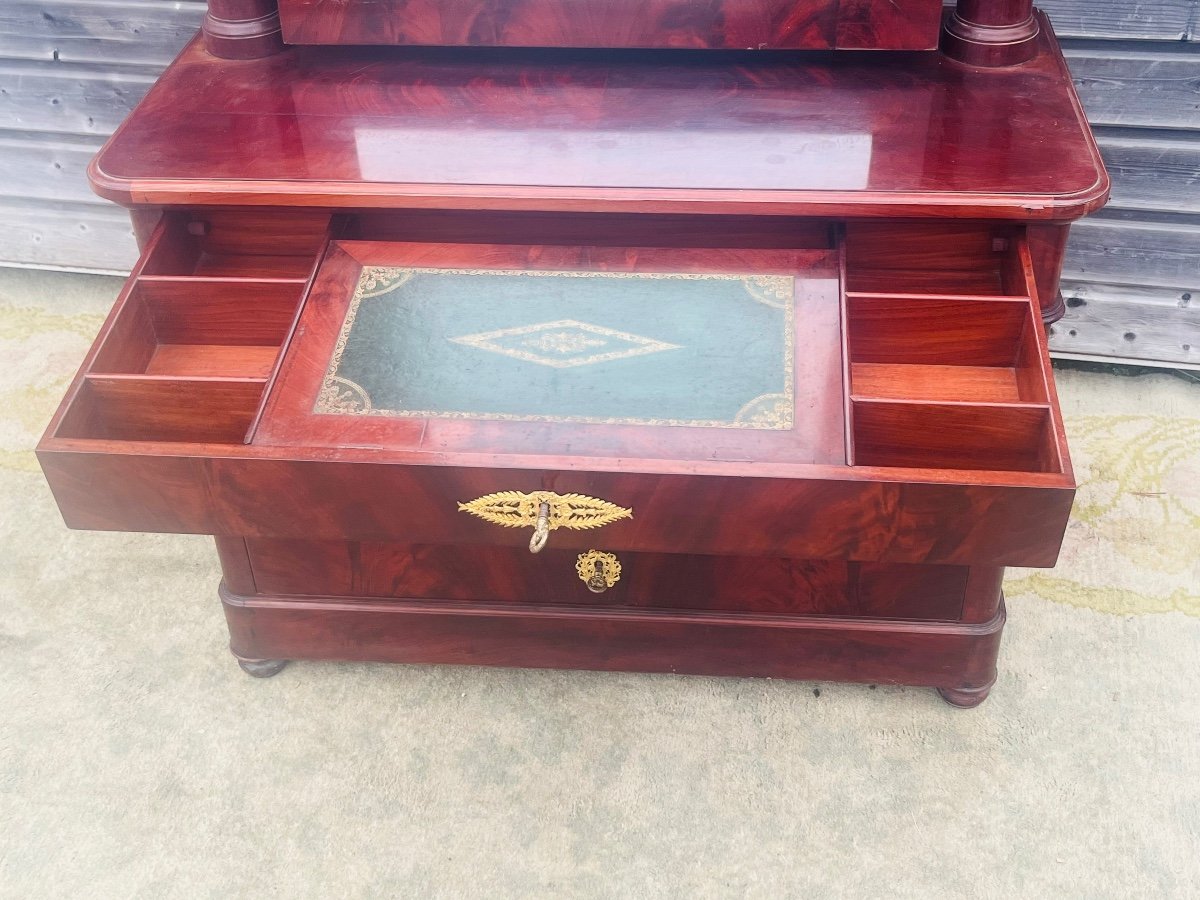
point(768, 134)
point(958, 658)
point(748, 584)
point(978, 32)
point(921, 207)
point(675, 24)
point(780, 493)
point(934, 456)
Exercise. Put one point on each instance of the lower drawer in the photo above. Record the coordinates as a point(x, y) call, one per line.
point(644, 580)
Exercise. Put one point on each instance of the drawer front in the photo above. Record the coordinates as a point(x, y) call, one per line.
point(757, 585)
point(825, 518)
point(726, 24)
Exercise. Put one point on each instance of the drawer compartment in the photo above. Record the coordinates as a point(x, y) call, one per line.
point(731, 402)
point(162, 410)
point(646, 580)
point(954, 437)
point(268, 244)
point(198, 327)
point(946, 367)
point(186, 357)
point(934, 259)
point(943, 349)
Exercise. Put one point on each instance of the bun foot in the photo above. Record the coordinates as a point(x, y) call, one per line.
point(965, 698)
point(262, 668)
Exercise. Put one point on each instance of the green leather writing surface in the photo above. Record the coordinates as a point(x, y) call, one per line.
point(653, 349)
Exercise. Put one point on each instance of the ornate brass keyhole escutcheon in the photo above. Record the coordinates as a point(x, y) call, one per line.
point(544, 511)
point(598, 570)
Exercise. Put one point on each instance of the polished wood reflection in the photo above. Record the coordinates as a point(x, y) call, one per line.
point(921, 201)
point(572, 130)
point(674, 24)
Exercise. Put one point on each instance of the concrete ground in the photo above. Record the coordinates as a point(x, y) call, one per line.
point(136, 760)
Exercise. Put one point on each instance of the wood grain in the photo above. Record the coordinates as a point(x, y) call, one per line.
point(901, 381)
point(1142, 85)
point(212, 360)
point(346, 543)
point(109, 32)
point(1146, 20)
point(1146, 254)
point(935, 331)
point(164, 409)
point(219, 310)
point(1129, 323)
point(934, 654)
point(648, 580)
point(258, 244)
point(896, 25)
point(621, 132)
point(801, 512)
point(997, 437)
point(676, 24)
point(782, 509)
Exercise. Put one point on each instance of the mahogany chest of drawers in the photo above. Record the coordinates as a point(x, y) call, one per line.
point(717, 364)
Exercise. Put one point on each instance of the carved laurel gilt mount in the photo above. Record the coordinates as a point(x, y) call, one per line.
point(544, 511)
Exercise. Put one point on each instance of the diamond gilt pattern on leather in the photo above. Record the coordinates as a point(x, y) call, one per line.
point(564, 344)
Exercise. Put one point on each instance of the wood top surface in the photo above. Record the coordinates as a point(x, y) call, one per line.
point(851, 133)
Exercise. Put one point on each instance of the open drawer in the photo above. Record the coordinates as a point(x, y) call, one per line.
point(842, 401)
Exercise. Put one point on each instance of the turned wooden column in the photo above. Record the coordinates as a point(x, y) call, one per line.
point(991, 32)
point(242, 29)
point(1047, 249)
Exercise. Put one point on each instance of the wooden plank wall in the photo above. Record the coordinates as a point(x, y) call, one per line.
point(1132, 280)
point(70, 70)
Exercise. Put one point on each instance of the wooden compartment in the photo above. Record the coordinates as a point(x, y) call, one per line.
point(942, 349)
point(193, 327)
point(123, 408)
point(186, 357)
point(945, 363)
point(940, 258)
point(996, 438)
point(267, 244)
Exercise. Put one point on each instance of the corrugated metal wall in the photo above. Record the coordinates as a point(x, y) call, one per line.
point(70, 70)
